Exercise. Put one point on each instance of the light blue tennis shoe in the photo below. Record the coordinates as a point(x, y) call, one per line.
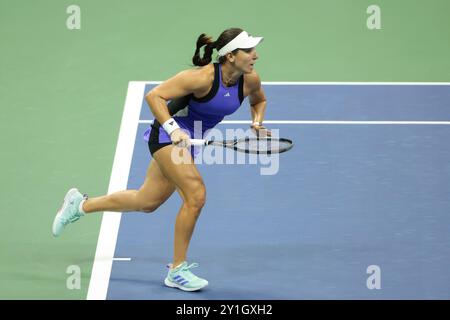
point(69, 211)
point(182, 278)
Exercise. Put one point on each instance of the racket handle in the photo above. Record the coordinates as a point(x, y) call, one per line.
point(198, 142)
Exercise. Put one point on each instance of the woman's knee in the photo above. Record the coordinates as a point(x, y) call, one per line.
point(196, 198)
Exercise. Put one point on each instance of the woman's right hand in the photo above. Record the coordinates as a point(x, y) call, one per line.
point(180, 138)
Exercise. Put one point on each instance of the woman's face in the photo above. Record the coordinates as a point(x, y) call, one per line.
point(245, 59)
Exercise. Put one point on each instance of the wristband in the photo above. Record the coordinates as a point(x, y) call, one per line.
point(170, 126)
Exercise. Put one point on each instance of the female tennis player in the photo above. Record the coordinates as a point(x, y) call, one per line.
point(208, 93)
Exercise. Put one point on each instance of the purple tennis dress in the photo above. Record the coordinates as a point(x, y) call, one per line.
point(210, 110)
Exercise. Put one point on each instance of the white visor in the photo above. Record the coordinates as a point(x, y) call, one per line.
point(242, 41)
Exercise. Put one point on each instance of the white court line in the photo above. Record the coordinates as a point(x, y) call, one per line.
point(104, 256)
point(329, 122)
point(101, 270)
point(121, 259)
point(334, 83)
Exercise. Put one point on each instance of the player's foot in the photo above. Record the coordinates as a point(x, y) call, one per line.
point(69, 212)
point(182, 278)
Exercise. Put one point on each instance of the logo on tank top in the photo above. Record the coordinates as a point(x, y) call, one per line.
point(227, 94)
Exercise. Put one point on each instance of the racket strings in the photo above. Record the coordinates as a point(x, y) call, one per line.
point(269, 145)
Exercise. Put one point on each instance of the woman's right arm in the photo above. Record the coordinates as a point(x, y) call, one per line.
point(182, 84)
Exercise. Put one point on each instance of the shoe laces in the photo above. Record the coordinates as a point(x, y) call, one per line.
point(186, 270)
point(187, 273)
point(191, 266)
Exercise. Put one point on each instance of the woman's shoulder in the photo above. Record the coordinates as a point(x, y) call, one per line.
point(204, 74)
point(252, 80)
point(196, 79)
point(204, 71)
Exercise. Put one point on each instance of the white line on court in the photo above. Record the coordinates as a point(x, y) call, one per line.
point(104, 256)
point(333, 83)
point(330, 122)
point(101, 270)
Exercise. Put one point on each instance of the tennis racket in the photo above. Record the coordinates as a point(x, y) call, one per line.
point(265, 145)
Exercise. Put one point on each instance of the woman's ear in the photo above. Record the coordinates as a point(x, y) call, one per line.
point(230, 57)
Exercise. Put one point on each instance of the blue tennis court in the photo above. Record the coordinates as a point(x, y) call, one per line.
point(349, 195)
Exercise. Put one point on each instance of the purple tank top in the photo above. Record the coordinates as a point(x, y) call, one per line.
point(218, 103)
point(210, 110)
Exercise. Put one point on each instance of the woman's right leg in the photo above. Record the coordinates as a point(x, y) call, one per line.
point(191, 188)
point(155, 190)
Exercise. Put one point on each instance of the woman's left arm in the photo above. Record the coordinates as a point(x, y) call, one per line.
point(258, 103)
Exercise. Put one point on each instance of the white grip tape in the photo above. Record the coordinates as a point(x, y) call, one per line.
point(170, 126)
point(197, 142)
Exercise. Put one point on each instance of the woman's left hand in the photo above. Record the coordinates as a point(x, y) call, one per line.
point(260, 131)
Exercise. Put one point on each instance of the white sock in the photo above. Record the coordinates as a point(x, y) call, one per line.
point(80, 208)
point(175, 267)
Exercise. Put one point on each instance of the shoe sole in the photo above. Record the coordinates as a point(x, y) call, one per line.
point(60, 211)
point(171, 284)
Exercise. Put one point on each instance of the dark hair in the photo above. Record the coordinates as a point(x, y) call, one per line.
point(225, 37)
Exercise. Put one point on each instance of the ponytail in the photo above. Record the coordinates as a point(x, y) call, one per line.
point(207, 56)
